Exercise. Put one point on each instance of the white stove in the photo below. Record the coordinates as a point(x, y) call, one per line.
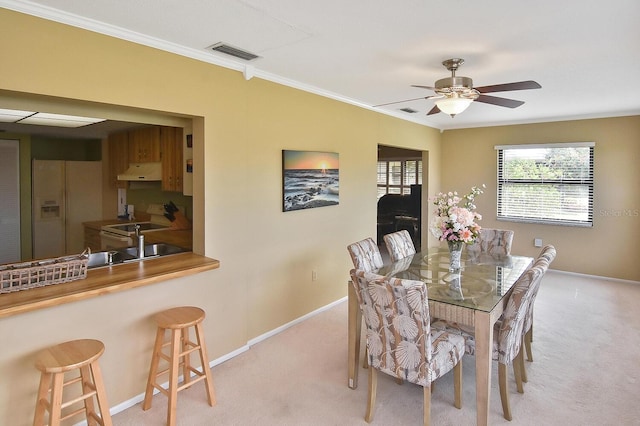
point(121, 234)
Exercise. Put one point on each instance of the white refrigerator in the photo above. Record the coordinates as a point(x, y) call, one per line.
point(65, 194)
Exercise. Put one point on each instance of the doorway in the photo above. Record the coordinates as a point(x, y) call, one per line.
point(399, 204)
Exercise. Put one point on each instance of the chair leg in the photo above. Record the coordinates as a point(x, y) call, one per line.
point(518, 367)
point(373, 385)
point(457, 384)
point(426, 405)
point(523, 370)
point(504, 391)
point(365, 361)
point(528, 338)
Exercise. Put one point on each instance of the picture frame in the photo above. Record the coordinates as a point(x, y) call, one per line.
point(310, 179)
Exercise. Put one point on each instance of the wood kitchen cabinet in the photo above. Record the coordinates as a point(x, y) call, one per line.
point(118, 158)
point(148, 145)
point(144, 145)
point(171, 145)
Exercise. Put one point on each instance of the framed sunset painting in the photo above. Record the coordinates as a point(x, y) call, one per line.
point(309, 179)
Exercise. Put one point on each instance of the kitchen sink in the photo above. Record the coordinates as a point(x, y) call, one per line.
point(130, 254)
point(153, 250)
point(106, 258)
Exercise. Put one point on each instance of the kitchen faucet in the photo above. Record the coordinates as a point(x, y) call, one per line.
point(140, 241)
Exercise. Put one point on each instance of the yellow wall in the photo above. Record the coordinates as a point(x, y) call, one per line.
point(240, 128)
point(606, 249)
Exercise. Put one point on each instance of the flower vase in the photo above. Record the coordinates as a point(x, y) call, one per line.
point(455, 253)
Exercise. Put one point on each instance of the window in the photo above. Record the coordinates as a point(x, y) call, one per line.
point(397, 176)
point(549, 183)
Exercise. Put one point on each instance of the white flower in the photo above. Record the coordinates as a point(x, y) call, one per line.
point(454, 222)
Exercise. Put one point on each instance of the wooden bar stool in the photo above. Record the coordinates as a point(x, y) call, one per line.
point(178, 321)
point(57, 360)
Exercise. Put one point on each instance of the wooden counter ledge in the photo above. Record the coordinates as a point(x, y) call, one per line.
point(106, 280)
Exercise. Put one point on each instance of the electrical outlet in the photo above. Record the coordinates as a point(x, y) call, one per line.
point(314, 275)
point(537, 242)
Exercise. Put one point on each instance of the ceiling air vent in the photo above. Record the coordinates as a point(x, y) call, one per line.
point(409, 110)
point(233, 51)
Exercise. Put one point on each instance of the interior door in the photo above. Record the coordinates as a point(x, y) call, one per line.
point(10, 205)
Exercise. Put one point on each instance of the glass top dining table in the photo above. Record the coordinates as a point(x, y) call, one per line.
point(473, 295)
point(480, 284)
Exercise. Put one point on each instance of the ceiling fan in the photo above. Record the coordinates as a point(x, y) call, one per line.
point(454, 94)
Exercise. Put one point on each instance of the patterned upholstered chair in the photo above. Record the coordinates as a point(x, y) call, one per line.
point(508, 335)
point(365, 255)
point(546, 256)
point(400, 245)
point(400, 341)
point(495, 242)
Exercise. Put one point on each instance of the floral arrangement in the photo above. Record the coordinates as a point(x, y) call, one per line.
point(455, 222)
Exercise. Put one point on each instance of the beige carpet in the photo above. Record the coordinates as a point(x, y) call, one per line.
point(586, 372)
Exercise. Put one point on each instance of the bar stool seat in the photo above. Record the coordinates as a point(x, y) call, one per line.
point(57, 360)
point(178, 321)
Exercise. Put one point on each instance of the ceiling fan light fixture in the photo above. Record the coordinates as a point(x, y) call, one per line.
point(453, 105)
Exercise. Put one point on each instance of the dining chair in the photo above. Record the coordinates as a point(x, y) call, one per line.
point(399, 245)
point(365, 255)
point(400, 341)
point(496, 242)
point(507, 335)
point(546, 256)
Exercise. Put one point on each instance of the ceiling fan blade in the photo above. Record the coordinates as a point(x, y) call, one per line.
point(520, 85)
point(399, 102)
point(434, 110)
point(504, 102)
point(424, 87)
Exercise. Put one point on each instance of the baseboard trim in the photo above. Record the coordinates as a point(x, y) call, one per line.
point(294, 322)
point(597, 277)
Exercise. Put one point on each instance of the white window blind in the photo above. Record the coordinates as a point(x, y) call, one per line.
point(548, 183)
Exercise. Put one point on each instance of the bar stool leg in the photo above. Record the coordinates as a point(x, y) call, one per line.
point(211, 396)
point(101, 393)
point(56, 399)
point(186, 362)
point(173, 376)
point(41, 402)
point(153, 370)
point(89, 408)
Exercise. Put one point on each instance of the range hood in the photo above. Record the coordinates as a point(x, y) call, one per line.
point(142, 172)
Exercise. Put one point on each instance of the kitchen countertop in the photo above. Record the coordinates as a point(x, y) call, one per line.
point(106, 280)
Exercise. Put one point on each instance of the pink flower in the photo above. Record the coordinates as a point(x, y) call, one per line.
point(453, 222)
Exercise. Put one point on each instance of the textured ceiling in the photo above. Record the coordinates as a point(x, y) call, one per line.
point(368, 52)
